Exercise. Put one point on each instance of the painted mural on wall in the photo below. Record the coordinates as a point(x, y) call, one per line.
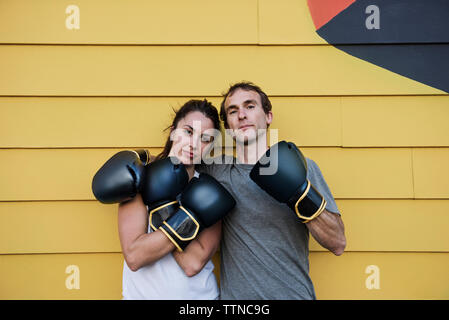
point(408, 37)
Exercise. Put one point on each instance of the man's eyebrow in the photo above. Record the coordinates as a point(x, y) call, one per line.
point(249, 101)
point(231, 107)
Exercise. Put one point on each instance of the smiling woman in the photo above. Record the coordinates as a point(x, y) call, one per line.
point(192, 137)
point(169, 221)
point(153, 268)
point(193, 128)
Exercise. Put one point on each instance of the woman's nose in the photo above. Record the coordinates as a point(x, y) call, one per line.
point(194, 142)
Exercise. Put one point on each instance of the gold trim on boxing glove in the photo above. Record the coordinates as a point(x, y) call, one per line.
point(138, 155)
point(194, 221)
point(171, 239)
point(156, 209)
point(148, 156)
point(317, 213)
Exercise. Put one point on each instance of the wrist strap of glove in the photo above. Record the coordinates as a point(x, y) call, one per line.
point(181, 228)
point(158, 215)
point(308, 204)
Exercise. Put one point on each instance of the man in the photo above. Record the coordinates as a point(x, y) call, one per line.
point(265, 247)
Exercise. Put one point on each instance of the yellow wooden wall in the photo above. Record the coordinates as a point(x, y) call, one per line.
point(69, 99)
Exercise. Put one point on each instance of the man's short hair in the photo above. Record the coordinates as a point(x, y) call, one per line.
point(247, 86)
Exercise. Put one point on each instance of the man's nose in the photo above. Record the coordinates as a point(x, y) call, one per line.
point(242, 113)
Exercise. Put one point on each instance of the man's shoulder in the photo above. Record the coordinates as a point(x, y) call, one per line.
point(313, 170)
point(311, 164)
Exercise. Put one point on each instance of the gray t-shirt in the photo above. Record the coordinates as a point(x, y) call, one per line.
point(264, 246)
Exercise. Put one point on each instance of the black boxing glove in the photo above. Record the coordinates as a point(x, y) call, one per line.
point(120, 178)
point(203, 203)
point(288, 183)
point(163, 181)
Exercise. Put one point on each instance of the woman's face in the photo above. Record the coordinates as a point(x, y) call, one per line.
point(191, 137)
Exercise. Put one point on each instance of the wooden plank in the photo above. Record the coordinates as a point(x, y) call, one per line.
point(89, 226)
point(66, 174)
point(58, 227)
point(395, 121)
point(39, 122)
point(61, 122)
point(136, 22)
point(431, 172)
point(75, 122)
point(394, 225)
point(49, 174)
point(286, 22)
point(180, 22)
point(290, 22)
point(308, 121)
point(345, 277)
point(43, 276)
point(401, 275)
point(365, 172)
point(193, 71)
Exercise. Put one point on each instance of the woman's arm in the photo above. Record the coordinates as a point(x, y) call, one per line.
point(195, 256)
point(139, 247)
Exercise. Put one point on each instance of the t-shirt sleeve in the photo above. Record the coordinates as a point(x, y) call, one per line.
point(316, 178)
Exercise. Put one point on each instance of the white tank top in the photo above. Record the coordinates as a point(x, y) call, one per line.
point(165, 280)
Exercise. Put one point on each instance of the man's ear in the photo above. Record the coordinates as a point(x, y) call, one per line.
point(269, 117)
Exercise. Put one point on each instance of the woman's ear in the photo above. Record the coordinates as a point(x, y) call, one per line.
point(172, 129)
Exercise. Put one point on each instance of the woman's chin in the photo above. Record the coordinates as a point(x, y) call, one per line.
point(186, 161)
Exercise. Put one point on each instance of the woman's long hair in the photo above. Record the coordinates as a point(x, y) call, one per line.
point(203, 106)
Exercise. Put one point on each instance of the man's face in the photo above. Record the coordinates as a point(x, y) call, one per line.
point(245, 115)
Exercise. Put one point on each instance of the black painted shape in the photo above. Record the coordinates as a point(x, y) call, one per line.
point(413, 39)
point(426, 63)
point(401, 21)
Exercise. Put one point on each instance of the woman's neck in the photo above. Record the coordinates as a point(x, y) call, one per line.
point(190, 170)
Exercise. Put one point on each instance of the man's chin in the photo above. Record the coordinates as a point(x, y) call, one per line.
point(246, 139)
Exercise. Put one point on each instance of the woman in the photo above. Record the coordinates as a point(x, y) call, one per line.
point(153, 268)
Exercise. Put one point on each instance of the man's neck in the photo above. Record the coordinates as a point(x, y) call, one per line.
point(250, 153)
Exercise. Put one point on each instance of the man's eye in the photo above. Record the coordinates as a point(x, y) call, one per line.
point(232, 112)
point(251, 107)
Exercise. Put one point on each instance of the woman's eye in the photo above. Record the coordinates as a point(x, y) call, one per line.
point(189, 132)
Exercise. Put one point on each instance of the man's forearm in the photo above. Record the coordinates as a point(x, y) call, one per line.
point(328, 230)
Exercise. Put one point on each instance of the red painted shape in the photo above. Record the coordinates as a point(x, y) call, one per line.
point(323, 11)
